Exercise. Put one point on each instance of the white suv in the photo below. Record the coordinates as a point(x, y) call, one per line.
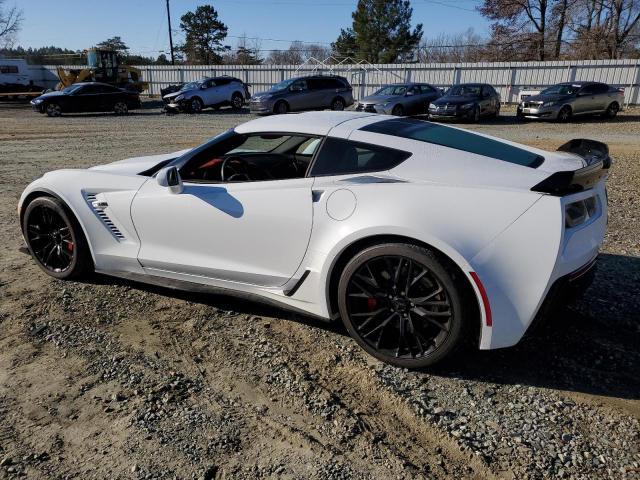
point(209, 92)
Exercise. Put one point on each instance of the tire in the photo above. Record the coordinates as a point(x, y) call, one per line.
point(377, 315)
point(476, 114)
point(564, 115)
point(196, 105)
point(398, 111)
point(237, 101)
point(53, 110)
point(337, 104)
point(497, 112)
point(281, 107)
point(58, 245)
point(120, 108)
point(612, 110)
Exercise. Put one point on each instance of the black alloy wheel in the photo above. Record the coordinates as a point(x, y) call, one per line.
point(55, 239)
point(398, 111)
point(337, 104)
point(612, 110)
point(401, 305)
point(237, 101)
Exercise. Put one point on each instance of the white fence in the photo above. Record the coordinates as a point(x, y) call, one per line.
point(509, 78)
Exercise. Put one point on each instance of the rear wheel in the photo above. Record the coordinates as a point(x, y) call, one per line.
point(196, 105)
point(401, 305)
point(120, 108)
point(564, 115)
point(55, 239)
point(337, 104)
point(53, 110)
point(612, 110)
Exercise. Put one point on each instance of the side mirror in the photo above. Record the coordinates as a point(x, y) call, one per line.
point(409, 94)
point(203, 87)
point(170, 178)
point(295, 89)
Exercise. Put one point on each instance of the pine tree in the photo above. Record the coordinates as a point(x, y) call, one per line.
point(381, 32)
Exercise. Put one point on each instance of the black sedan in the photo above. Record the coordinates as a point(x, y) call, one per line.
point(466, 101)
point(87, 97)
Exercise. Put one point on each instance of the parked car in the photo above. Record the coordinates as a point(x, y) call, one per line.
point(174, 87)
point(466, 101)
point(420, 236)
point(304, 93)
point(400, 99)
point(565, 100)
point(87, 97)
point(213, 92)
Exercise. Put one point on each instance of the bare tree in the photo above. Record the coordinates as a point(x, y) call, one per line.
point(605, 28)
point(297, 53)
point(457, 47)
point(10, 23)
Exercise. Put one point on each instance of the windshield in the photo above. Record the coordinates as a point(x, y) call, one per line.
point(561, 89)
point(392, 90)
point(72, 88)
point(282, 85)
point(191, 86)
point(464, 91)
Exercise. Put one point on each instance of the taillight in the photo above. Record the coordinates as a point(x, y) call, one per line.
point(577, 213)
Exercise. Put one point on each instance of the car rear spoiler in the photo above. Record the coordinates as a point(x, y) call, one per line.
point(596, 156)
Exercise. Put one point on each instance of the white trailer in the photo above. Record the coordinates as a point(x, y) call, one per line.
point(15, 79)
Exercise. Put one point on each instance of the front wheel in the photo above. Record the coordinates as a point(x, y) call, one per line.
point(55, 239)
point(402, 305)
point(564, 115)
point(120, 108)
point(398, 111)
point(281, 107)
point(237, 101)
point(53, 110)
point(196, 105)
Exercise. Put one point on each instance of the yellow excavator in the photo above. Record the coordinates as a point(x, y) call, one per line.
point(103, 66)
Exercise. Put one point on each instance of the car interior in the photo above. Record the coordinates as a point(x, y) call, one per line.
point(250, 158)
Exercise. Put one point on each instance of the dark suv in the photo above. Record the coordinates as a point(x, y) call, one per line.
point(304, 93)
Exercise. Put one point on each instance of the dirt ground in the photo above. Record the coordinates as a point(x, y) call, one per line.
point(111, 379)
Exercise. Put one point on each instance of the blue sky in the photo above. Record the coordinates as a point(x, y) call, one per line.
point(80, 24)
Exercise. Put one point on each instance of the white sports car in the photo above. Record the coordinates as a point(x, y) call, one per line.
point(419, 236)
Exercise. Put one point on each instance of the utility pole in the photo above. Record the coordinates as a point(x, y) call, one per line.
point(173, 60)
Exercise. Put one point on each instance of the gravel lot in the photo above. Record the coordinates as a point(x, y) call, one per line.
point(110, 379)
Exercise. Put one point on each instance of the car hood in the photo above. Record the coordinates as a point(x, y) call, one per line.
point(172, 95)
point(57, 93)
point(377, 99)
point(454, 100)
point(547, 98)
point(136, 165)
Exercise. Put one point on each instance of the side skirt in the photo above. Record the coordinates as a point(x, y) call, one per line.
point(194, 287)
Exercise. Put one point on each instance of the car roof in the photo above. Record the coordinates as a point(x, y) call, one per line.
point(310, 123)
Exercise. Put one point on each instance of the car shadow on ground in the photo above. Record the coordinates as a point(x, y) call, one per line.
point(590, 347)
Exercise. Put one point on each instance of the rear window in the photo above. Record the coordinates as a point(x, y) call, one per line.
point(341, 157)
point(454, 138)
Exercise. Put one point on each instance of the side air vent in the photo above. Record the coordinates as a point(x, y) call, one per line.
point(98, 208)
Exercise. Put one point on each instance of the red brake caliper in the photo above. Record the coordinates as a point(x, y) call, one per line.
point(372, 303)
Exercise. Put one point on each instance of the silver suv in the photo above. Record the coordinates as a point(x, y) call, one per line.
point(565, 100)
point(209, 92)
point(304, 93)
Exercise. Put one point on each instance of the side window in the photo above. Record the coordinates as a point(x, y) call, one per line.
point(315, 84)
point(486, 91)
point(426, 89)
point(339, 157)
point(299, 85)
point(589, 89)
point(221, 81)
point(309, 147)
point(415, 89)
point(600, 88)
